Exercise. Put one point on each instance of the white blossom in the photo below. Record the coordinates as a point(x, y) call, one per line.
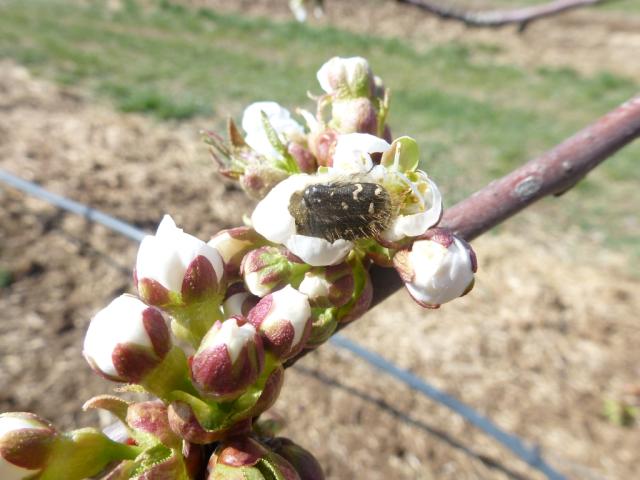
point(279, 118)
point(165, 256)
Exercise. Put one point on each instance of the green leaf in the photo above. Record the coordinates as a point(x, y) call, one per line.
point(403, 156)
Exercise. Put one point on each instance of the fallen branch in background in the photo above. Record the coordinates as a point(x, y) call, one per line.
point(499, 18)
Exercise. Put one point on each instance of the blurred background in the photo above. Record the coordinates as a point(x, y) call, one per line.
point(102, 101)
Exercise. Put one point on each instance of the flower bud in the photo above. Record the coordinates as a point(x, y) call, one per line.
point(330, 286)
point(304, 158)
point(322, 145)
point(437, 269)
point(325, 321)
point(302, 460)
point(361, 298)
point(233, 244)
point(244, 457)
point(356, 115)
point(26, 441)
point(258, 179)
point(127, 340)
point(284, 320)
point(237, 301)
point(152, 418)
point(346, 77)
point(229, 359)
point(267, 269)
point(173, 262)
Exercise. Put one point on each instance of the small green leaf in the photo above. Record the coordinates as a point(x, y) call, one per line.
point(403, 156)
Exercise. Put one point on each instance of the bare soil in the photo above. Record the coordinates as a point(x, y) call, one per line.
point(549, 333)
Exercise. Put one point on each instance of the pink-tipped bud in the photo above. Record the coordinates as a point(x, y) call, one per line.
point(233, 244)
point(322, 145)
point(304, 158)
point(174, 261)
point(302, 460)
point(238, 301)
point(284, 320)
point(267, 269)
point(356, 115)
point(26, 442)
point(258, 179)
point(229, 359)
point(437, 269)
point(360, 301)
point(347, 77)
point(127, 340)
point(330, 286)
point(244, 457)
point(152, 418)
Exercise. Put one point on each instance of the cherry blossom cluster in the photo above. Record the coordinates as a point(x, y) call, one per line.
point(214, 323)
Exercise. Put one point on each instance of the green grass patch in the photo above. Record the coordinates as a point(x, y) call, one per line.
point(473, 118)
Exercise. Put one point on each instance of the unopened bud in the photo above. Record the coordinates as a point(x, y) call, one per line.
point(229, 359)
point(151, 418)
point(26, 441)
point(356, 115)
point(127, 340)
point(330, 286)
point(233, 244)
point(437, 269)
point(302, 460)
point(284, 320)
point(245, 457)
point(238, 301)
point(304, 158)
point(267, 269)
point(346, 77)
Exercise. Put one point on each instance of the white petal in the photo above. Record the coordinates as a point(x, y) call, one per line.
point(165, 256)
point(416, 224)
point(233, 336)
point(318, 252)
point(255, 286)
point(227, 246)
point(118, 322)
point(362, 142)
point(442, 274)
point(315, 286)
point(323, 74)
point(271, 217)
point(233, 305)
point(279, 118)
point(353, 152)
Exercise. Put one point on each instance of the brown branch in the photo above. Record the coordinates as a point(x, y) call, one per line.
point(499, 18)
point(553, 173)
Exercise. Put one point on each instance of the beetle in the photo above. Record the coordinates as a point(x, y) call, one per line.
point(340, 209)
